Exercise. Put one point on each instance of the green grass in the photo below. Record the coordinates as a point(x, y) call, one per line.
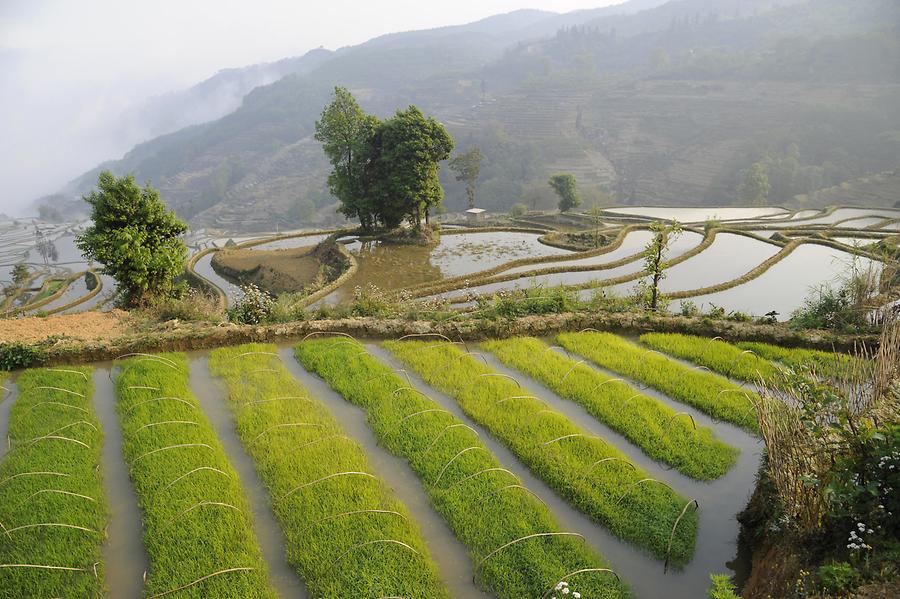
point(656, 428)
point(347, 535)
point(710, 393)
point(52, 476)
point(831, 365)
point(472, 494)
point(568, 458)
point(716, 355)
point(197, 522)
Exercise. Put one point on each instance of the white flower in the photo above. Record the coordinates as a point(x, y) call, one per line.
point(576, 595)
point(565, 591)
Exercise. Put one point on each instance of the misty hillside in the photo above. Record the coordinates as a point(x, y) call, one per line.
point(649, 102)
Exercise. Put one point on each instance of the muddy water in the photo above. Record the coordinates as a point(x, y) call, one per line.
point(698, 215)
point(9, 398)
point(204, 268)
point(450, 555)
point(268, 532)
point(720, 501)
point(123, 552)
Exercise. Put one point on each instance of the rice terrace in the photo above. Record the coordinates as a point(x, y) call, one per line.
point(602, 303)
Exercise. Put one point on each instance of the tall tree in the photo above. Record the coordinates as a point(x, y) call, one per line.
point(411, 148)
point(467, 168)
point(134, 237)
point(566, 187)
point(347, 135)
point(755, 187)
point(655, 260)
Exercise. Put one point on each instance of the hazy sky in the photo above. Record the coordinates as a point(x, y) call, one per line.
point(66, 66)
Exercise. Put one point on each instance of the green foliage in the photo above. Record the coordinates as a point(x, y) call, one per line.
point(717, 355)
point(384, 172)
point(518, 210)
point(193, 306)
point(185, 538)
point(134, 238)
point(688, 308)
point(467, 168)
point(254, 306)
point(838, 577)
point(843, 307)
point(52, 476)
point(755, 188)
point(295, 441)
point(643, 420)
point(712, 394)
point(655, 263)
point(20, 274)
point(820, 363)
point(721, 588)
point(537, 299)
point(16, 355)
point(572, 464)
point(566, 188)
point(466, 495)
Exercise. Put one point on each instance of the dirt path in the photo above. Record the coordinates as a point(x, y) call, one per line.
point(87, 326)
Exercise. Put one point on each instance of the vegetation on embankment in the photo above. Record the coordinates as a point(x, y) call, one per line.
point(149, 337)
point(659, 431)
point(584, 469)
point(483, 503)
point(347, 533)
point(821, 363)
point(52, 507)
point(710, 393)
point(197, 523)
point(714, 354)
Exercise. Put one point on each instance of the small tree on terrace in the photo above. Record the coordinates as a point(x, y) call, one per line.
point(134, 237)
point(467, 168)
point(655, 261)
point(566, 188)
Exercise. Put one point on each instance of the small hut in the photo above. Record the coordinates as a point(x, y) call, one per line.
point(474, 215)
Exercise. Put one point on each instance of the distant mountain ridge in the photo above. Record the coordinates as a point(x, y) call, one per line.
point(650, 101)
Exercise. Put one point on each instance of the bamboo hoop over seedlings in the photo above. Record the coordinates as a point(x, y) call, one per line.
point(590, 468)
point(323, 479)
point(571, 370)
point(399, 389)
point(54, 403)
point(572, 436)
point(63, 370)
point(524, 488)
point(146, 401)
point(480, 472)
point(199, 505)
point(575, 573)
point(634, 485)
point(512, 397)
point(42, 567)
point(375, 542)
point(693, 502)
point(420, 413)
point(668, 424)
point(506, 376)
point(334, 346)
point(286, 425)
point(42, 473)
point(453, 459)
point(56, 438)
point(335, 333)
point(195, 470)
point(199, 580)
point(168, 447)
point(526, 538)
point(473, 354)
point(616, 380)
point(141, 388)
point(324, 438)
point(151, 356)
point(48, 388)
point(152, 424)
point(444, 430)
point(247, 404)
point(253, 353)
point(353, 513)
point(51, 525)
point(419, 335)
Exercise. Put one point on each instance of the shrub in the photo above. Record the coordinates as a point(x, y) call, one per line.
point(14, 356)
point(518, 210)
point(688, 308)
point(253, 307)
point(721, 588)
point(838, 577)
point(194, 305)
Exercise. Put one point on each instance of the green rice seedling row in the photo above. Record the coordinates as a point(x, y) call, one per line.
point(197, 524)
point(716, 355)
point(710, 393)
point(517, 547)
point(591, 474)
point(52, 510)
point(661, 432)
point(819, 363)
point(347, 533)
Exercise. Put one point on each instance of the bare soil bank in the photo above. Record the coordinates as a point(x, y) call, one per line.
point(276, 271)
point(177, 336)
point(85, 326)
